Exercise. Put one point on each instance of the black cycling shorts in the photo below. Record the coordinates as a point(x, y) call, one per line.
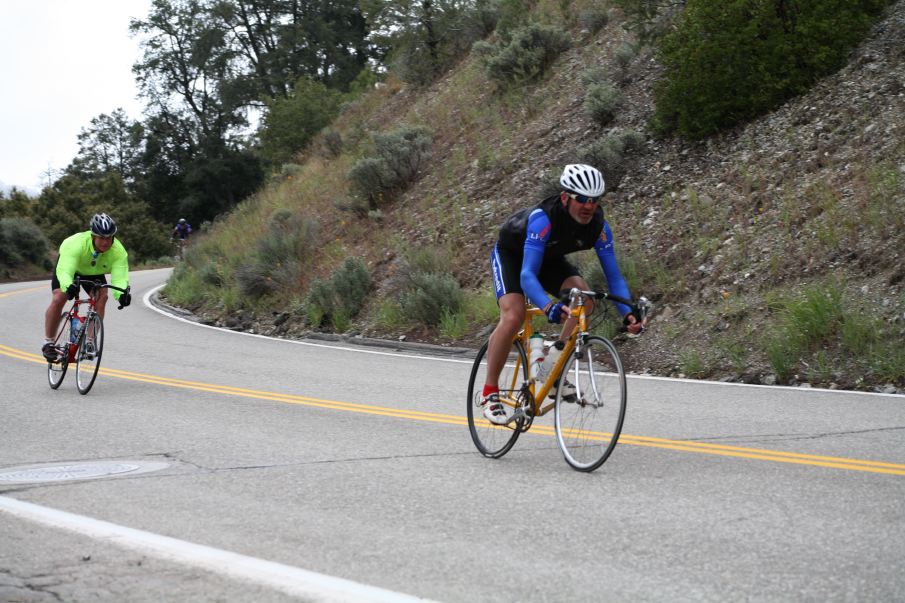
point(506, 269)
point(100, 279)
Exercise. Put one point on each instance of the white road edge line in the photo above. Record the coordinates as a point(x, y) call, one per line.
point(291, 580)
point(147, 301)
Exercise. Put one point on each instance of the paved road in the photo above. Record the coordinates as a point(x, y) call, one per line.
point(244, 468)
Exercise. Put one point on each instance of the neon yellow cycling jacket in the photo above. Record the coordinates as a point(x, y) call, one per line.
point(77, 253)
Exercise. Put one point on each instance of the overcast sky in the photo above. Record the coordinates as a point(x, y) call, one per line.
point(62, 62)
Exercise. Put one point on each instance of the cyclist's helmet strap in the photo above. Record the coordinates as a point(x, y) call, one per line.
point(582, 179)
point(103, 225)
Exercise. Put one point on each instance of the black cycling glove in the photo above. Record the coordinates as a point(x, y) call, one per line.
point(72, 291)
point(125, 299)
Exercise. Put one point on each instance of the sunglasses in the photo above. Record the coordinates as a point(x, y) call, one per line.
point(583, 199)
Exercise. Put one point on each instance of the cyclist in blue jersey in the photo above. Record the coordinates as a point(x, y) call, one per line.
point(182, 230)
point(181, 234)
point(529, 259)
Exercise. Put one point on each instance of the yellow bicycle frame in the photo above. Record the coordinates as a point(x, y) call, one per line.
point(539, 390)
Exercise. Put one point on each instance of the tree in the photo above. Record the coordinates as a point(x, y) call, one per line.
point(427, 36)
point(292, 122)
point(66, 207)
point(275, 42)
point(185, 63)
point(17, 204)
point(197, 121)
point(112, 143)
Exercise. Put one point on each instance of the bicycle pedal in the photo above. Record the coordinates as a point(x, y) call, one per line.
point(517, 414)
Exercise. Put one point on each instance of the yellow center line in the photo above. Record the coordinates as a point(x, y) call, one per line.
point(544, 430)
point(18, 291)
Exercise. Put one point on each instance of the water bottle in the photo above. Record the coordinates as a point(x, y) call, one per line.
point(536, 349)
point(74, 329)
point(552, 355)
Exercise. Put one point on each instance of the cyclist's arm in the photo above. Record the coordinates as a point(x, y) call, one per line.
point(119, 269)
point(68, 263)
point(533, 256)
point(607, 256)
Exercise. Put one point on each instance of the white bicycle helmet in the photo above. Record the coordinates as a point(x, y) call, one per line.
point(103, 225)
point(582, 179)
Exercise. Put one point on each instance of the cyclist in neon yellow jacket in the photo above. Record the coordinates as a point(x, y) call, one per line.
point(90, 255)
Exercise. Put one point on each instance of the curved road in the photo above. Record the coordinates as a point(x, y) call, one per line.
point(208, 465)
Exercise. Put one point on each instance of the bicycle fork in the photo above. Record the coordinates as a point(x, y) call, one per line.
point(584, 353)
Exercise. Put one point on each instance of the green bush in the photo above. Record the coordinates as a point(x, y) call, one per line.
point(276, 262)
point(405, 151)
point(608, 155)
point(340, 298)
point(727, 62)
point(594, 17)
point(319, 304)
point(602, 101)
point(332, 144)
point(255, 279)
point(211, 274)
point(512, 14)
point(531, 50)
point(22, 242)
point(351, 283)
point(429, 296)
point(424, 288)
point(401, 155)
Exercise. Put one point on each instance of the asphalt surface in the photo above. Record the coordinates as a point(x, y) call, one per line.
point(313, 470)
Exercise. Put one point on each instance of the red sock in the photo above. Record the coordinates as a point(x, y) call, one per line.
point(490, 389)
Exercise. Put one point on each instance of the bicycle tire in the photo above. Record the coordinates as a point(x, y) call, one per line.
point(493, 441)
point(56, 371)
point(88, 359)
point(590, 406)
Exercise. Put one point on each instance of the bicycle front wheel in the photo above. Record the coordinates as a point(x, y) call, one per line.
point(57, 370)
point(491, 440)
point(590, 404)
point(88, 360)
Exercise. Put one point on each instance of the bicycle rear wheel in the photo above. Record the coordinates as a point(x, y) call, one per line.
point(590, 404)
point(57, 370)
point(88, 360)
point(491, 440)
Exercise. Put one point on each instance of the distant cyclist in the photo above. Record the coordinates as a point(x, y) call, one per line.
point(89, 255)
point(181, 234)
point(529, 260)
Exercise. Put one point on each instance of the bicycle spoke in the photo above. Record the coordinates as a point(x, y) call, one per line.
point(88, 361)
point(590, 407)
point(57, 370)
point(496, 440)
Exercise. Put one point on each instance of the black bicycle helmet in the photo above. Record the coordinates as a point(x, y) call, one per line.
point(103, 225)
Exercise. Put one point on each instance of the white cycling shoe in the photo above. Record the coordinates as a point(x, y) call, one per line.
point(494, 410)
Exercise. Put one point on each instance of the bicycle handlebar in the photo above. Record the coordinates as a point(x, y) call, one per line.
point(640, 309)
point(93, 285)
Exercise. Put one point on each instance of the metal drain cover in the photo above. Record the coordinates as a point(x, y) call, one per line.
point(93, 470)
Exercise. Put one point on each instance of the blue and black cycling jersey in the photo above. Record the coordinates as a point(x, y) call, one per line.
point(541, 236)
point(182, 230)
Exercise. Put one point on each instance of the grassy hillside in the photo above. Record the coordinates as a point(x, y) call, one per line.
point(773, 253)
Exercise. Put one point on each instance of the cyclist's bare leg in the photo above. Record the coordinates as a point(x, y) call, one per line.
point(100, 301)
point(52, 314)
point(512, 316)
point(580, 283)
